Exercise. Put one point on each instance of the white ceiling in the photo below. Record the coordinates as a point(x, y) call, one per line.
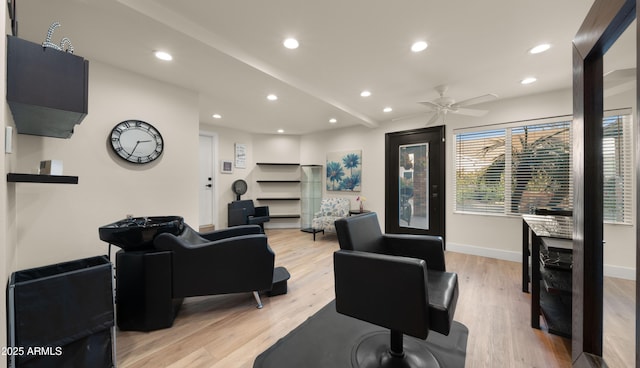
point(231, 52)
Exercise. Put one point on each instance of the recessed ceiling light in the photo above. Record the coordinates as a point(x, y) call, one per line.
point(419, 46)
point(280, 130)
point(333, 120)
point(163, 55)
point(217, 116)
point(272, 97)
point(365, 93)
point(291, 43)
point(387, 109)
point(540, 48)
point(528, 80)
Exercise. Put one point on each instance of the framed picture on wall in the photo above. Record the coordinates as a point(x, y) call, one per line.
point(241, 156)
point(344, 171)
point(226, 167)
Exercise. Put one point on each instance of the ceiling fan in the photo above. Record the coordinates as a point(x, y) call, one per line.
point(445, 104)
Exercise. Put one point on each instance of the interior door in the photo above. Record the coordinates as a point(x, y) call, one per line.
point(206, 180)
point(415, 182)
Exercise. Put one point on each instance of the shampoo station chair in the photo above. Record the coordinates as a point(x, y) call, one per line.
point(397, 282)
point(153, 284)
point(243, 212)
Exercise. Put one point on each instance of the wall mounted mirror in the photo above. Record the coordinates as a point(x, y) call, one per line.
point(619, 105)
point(605, 23)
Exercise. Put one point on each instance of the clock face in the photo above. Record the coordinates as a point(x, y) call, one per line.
point(136, 141)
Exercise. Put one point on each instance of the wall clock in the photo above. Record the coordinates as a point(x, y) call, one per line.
point(136, 141)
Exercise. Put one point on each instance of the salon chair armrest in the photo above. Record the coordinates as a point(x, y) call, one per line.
point(231, 232)
point(262, 211)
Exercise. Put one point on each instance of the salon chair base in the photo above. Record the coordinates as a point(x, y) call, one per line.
point(372, 351)
point(280, 277)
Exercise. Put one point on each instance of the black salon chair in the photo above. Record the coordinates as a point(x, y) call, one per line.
point(397, 282)
point(243, 212)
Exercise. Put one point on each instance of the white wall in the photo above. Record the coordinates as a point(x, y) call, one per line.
point(60, 222)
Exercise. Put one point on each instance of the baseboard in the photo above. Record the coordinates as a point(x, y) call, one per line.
point(626, 273)
point(206, 228)
point(281, 225)
point(485, 252)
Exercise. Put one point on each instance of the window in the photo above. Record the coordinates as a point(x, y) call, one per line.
point(526, 166)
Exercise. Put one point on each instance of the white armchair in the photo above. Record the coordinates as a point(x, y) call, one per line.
point(331, 209)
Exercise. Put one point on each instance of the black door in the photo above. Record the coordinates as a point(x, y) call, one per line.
point(415, 163)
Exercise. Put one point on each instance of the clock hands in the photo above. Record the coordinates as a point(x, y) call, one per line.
point(136, 146)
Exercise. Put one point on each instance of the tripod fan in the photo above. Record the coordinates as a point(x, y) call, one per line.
point(239, 187)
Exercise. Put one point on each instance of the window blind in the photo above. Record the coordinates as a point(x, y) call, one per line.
point(526, 166)
point(617, 155)
point(541, 168)
point(480, 160)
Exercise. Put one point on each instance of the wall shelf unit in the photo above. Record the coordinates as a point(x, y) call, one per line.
point(278, 199)
point(277, 164)
point(48, 179)
point(279, 188)
point(277, 181)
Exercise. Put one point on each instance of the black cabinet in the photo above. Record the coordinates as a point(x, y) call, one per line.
point(61, 315)
point(143, 297)
point(547, 239)
point(47, 89)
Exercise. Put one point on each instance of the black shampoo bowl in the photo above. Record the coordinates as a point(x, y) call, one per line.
point(137, 233)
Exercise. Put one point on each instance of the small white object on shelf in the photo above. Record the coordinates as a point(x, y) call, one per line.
point(51, 167)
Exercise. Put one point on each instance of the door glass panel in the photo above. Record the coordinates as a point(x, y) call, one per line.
point(413, 195)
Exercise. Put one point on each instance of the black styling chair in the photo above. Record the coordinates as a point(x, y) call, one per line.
point(394, 281)
point(243, 212)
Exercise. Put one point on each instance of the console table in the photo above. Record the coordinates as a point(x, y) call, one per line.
point(547, 238)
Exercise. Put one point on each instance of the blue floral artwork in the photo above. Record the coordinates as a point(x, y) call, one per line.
point(344, 171)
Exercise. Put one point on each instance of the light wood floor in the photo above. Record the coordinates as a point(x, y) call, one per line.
point(227, 331)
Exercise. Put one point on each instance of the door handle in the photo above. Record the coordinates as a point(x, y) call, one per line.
point(209, 185)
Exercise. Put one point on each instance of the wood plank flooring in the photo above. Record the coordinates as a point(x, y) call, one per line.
point(227, 331)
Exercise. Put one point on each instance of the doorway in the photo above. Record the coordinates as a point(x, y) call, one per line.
point(206, 182)
point(415, 182)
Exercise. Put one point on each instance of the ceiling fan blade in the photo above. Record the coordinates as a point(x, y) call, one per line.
point(431, 105)
point(475, 100)
point(433, 119)
point(470, 112)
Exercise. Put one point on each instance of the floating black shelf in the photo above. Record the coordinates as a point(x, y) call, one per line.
point(278, 163)
point(49, 179)
point(279, 199)
point(277, 181)
point(284, 216)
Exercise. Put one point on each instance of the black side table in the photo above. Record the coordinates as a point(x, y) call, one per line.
point(357, 212)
